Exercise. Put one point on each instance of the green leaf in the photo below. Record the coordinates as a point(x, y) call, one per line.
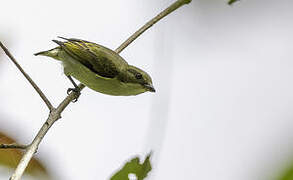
point(232, 2)
point(287, 174)
point(134, 167)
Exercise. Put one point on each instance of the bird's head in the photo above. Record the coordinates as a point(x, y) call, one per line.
point(134, 75)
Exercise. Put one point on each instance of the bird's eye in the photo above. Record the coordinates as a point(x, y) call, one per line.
point(138, 76)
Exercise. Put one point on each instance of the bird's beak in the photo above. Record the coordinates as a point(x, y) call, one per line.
point(150, 87)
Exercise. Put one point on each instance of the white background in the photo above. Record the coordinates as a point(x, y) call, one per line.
point(223, 75)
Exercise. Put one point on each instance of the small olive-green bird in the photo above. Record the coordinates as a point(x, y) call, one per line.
point(99, 68)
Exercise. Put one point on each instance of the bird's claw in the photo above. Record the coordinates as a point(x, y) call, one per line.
point(76, 91)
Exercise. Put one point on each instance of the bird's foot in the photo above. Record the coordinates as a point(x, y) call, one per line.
point(76, 91)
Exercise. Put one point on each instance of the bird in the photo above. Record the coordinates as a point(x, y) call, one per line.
point(99, 68)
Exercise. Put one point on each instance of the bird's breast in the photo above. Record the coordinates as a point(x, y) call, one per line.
point(110, 86)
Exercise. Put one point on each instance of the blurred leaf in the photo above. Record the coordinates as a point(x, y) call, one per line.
point(232, 2)
point(288, 174)
point(11, 157)
point(134, 167)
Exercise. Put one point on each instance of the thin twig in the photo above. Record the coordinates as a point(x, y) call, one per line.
point(13, 146)
point(42, 95)
point(150, 23)
point(55, 114)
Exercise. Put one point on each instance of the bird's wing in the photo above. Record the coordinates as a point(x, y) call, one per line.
point(97, 58)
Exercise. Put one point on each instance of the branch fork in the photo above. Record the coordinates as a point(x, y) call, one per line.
point(55, 113)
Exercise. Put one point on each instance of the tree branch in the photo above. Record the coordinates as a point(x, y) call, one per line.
point(55, 113)
point(12, 146)
point(150, 23)
point(42, 95)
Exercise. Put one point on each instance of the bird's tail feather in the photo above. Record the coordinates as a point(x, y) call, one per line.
point(50, 53)
point(42, 53)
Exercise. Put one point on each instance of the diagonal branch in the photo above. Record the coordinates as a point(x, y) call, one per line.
point(55, 114)
point(150, 23)
point(42, 95)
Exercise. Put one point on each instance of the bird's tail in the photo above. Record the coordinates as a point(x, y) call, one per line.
point(50, 53)
point(42, 53)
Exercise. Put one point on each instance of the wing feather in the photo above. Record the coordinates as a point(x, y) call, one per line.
point(97, 58)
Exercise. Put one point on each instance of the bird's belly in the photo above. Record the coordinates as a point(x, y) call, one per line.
point(110, 86)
